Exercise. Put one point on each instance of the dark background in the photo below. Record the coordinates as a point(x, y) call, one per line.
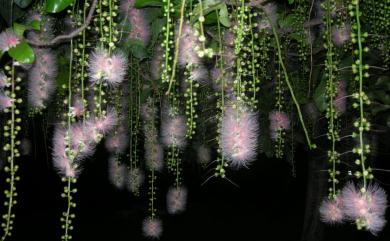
point(269, 204)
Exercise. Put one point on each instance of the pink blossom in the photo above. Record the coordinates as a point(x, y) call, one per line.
point(139, 28)
point(204, 154)
point(176, 200)
point(374, 223)
point(152, 227)
point(156, 63)
point(105, 123)
point(110, 68)
point(154, 156)
point(135, 179)
point(331, 211)
point(199, 74)
point(229, 57)
point(239, 133)
point(78, 107)
point(278, 121)
point(5, 101)
point(340, 101)
point(8, 39)
point(3, 80)
point(341, 35)
point(41, 78)
point(187, 45)
point(228, 38)
point(116, 173)
point(173, 131)
point(117, 143)
point(369, 206)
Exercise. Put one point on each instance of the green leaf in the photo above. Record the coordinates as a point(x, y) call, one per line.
point(19, 29)
point(35, 25)
point(290, 1)
point(23, 3)
point(22, 53)
point(55, 6)
point(148, 3)
point(5, 11)
point(224, 16)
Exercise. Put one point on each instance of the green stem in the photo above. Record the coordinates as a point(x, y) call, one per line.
point(311, 146)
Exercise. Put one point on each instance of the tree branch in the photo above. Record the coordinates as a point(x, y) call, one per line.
point(69, 36)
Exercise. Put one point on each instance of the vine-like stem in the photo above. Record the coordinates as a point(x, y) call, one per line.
point(177, 46)
point(71, 35)
point(330, 91)
point(12, 167)
point(280, 57)
point(361, 94)
point(69, 204)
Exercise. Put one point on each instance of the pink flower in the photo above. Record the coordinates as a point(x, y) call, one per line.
point(187, 45)
point(173, 131)
point(229, 57)
point(41, 78)
point(368, 207)
point(5, 101)
point(3, 80)
point(278, 121)
point(239, 133)
point(228, 38)
point(154, 156)
point(103, 67)
point(105, 123)
point(176, 200)
point(342, 34)
point(374, 223)
point(156, 63)
point(117, 143)
point(117, 173)
point(199, 74)
point(340, 101)
point(8, 39)
point(152, 227)
point(135, 180)
point(331, 211)
point(139, 28)
point(204, 154)
point(78, 107)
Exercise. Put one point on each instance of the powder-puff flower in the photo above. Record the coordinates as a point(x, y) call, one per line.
point(154, 156)
point(374, 223)
point(341, 35)
point(204, 154)
point(117, 143)
point(156, 63)
point(105, 123)
point(134, 180)
point(3, 80)
point(41, 76)
point(139, 28)
point(217, 75)
point(187, 45)
point(228, 38)
point(340, 101)
point(173, 131)
point(331, 211)
point(176, 200)
point(78, 107)
point(369, 207)
point(229, 58)
point(116, 173)
point(110, 68)
point(8, 39)
point(152, 228)
point(239, 131)
point(278, 121)
point(5, 101)
point(62, 163)
point(199, 74)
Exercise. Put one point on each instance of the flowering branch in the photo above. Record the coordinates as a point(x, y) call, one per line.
point(69, 36)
